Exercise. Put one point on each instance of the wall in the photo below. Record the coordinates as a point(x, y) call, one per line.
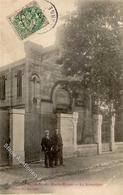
point(17, 125)
point(35, 125)
point(86, 150)
point(50, 73)
point(45, 62)
point(119, 147)
point(10, 72)
point(46, 107)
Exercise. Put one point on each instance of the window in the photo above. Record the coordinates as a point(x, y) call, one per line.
point(35, 88)
point(2, 87)
point(19, 83)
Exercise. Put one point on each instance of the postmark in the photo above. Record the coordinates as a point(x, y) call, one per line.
point(35, 17)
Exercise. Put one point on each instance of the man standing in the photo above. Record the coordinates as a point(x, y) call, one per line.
point(46, 148)
point(57, 148)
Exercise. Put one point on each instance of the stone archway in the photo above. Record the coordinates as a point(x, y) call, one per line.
point(61, 98)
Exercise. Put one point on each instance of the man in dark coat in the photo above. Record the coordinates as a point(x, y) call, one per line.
point(57, 148)
point(46, 144)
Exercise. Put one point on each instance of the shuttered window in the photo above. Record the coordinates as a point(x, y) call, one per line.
point(3, 87)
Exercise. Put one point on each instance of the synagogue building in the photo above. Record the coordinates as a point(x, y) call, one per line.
point(34, 97)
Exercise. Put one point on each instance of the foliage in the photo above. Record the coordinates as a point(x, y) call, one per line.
point(91, 44)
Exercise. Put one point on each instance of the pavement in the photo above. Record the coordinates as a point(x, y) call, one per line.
point(18, 175)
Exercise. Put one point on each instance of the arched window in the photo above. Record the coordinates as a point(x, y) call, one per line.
point(35, 88)
point(19, 83)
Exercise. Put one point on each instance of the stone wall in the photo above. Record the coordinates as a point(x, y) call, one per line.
point(119, 147)
point(86, 150)
point(46, 59)
point(50, 73)
point(11, 99)
point(46, 107)
point(17, 125)
point(32, 68)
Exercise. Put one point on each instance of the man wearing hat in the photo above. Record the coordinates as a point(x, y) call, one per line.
point(57, 148)
point(46, 145)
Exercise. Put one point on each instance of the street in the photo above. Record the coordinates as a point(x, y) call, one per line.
point(98, 180)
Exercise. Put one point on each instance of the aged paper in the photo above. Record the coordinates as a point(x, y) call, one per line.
point(61, 70)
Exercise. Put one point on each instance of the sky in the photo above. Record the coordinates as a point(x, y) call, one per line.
point(11, 47)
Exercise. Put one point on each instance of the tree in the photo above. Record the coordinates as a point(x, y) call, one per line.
point(91, 45)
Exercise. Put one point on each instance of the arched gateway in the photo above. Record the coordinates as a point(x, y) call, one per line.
point(61, 98)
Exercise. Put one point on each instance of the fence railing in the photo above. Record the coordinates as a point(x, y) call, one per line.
point(119, 131)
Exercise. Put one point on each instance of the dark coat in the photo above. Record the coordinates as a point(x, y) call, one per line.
point(57, 142)
point(46, 144)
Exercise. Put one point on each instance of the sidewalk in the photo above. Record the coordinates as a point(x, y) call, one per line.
point(75, 165)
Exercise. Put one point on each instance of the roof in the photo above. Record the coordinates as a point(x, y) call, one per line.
point(39, 48)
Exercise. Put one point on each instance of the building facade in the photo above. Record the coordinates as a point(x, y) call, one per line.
point(34, 97)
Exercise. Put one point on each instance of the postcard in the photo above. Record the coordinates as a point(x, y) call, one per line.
point(61, 97)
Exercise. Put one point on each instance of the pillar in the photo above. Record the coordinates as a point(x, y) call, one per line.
point(17, 136)
point(112, 133)
point(98, 132)
point(75, 120)
point(67, 123)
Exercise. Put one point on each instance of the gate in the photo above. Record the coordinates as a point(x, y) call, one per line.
point(35, 125)
point(4, 137)
point(106, 136)
point(119, 131)
point(48, 121)
point(32, 137)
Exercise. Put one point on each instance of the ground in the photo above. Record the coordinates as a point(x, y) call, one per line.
point(89, 175)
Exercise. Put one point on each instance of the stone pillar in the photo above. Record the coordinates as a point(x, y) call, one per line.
point(67, 123)
point(112, 133)
point(75, 120)
point(98, 132)
point(17, 135)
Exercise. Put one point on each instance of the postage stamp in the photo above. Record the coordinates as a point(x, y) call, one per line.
point(33, 18)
